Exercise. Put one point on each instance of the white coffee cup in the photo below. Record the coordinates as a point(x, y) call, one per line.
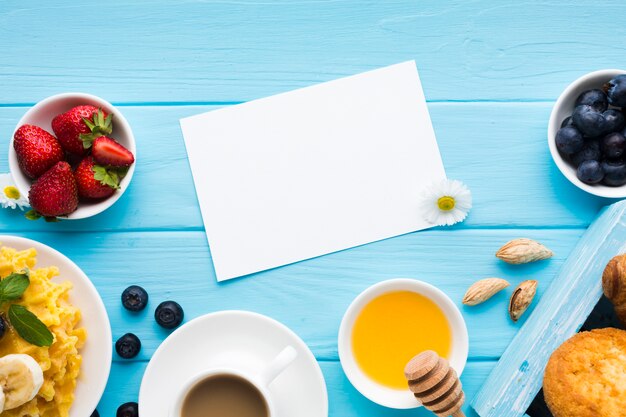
point(260, 380)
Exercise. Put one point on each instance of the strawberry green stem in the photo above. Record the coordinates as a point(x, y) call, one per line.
point(100, 126)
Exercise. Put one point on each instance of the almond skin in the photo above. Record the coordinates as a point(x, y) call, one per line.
point(483, 290)
point(522, 251)
point(521, 298)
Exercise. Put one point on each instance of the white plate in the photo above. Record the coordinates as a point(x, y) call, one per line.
point(235, 340)
point(97, 352)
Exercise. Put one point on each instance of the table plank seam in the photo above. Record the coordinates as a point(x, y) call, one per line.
point(473, 359)
point(196, 229)
point(236, 102)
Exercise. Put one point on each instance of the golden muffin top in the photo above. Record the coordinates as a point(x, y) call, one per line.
point(586, 375)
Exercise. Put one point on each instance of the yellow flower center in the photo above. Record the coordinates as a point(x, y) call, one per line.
point(445, 203)
point(11, 192)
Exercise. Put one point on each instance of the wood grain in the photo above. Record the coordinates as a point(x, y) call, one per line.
point(490, 71)
point(177, 265)
point(343, 399)
point(228, 51)
point(499, 150)
point(565, 306)
point(435, 384)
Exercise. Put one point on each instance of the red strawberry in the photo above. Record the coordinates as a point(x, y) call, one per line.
point(95, 181)
point(37, 150)
point(78, 127)
point(107, 151)
point(54, 193)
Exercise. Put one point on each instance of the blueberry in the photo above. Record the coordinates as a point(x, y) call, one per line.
point(3, 326)
point(95, 413)
point(616, 91)
point(169, 314)
point(567, 122)
point(594, 98)
point(613, 145)
point(614, 173)
point(128, 346)
point(128, 410)
point(569, 140)
point(590, 152)
point(134, 298)
point(590, 172)
point(614, 120)
point(590, 122)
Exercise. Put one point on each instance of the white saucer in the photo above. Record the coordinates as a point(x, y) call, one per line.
point(235, 340)
point(97, 352)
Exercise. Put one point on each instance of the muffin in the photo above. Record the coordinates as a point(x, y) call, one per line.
point(586, 375)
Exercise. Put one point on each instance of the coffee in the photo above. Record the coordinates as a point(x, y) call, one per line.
point(224, 396)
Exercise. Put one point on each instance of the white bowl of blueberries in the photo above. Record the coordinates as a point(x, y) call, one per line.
point(586, 133)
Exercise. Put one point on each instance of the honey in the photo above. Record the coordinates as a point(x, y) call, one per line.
point(393, 328)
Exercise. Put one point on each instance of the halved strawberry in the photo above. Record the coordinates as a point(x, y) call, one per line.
point(78, 127)
point(54, 193)
point(95, 181)
point(37, 150)
point(107, 151)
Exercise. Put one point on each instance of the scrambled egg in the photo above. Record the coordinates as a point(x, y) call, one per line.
point(61, 361)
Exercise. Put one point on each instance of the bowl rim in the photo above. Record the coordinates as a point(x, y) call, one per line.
point(381, 395)
point(21, 180)
point(554, 125)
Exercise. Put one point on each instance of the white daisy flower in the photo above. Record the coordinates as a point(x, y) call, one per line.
point(446, 202)
point(10, 196)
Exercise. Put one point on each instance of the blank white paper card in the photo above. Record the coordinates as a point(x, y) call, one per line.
point(313, 171)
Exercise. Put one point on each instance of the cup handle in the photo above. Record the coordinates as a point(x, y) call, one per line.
point(278, 365)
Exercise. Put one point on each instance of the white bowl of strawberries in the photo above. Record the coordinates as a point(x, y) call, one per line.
point(74, 155)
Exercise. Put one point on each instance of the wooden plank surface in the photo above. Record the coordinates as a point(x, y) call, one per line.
point(498, 149)
point(177, 265)
point(490, 70)
point(225, 51)
point(565, 307)
point(343, 399)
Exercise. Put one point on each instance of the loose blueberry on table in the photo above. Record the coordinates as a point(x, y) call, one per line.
point(593, 138)
point(134, 298)
point(128, 410)
point(128, 346)
point(169, 314)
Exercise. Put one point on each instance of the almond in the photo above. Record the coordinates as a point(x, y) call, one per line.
point(521, 251)
point(521, 298)
point(483, 290)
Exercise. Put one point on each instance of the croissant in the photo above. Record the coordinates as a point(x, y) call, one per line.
point(614, 285)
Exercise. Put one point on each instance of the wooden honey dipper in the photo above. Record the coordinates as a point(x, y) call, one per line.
point(435, 384)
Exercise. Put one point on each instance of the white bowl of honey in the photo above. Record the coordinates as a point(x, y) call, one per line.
point(387, 325)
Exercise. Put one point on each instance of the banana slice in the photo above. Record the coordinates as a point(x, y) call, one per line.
point(21, 378)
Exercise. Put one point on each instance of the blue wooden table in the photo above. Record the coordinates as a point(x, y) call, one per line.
point(491, 71)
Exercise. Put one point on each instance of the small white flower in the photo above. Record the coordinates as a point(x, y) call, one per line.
point(10, 196)
point(446, 202)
